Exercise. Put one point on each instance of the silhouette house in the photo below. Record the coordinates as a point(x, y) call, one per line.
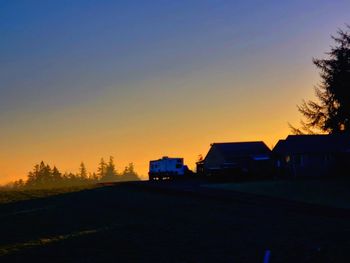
point(236, 158)
point(307, 155)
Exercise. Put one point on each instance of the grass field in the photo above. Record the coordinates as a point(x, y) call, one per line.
point(9, 196)
point(322, 191)
point(161, 222)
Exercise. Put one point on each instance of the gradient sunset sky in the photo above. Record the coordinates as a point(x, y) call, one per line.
point(81, 80)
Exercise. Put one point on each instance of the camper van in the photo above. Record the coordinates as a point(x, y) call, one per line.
point(167, 168)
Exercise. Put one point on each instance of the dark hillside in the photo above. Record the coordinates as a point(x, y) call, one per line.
point(138, 223)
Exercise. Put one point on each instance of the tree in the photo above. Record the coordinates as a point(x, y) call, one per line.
point(46, 175)
point(129, 173)
point(56, 175)
point(33, 176)
point(83, 172)
point(111, 172)
point(18, 184)
point(41, 176)
point(101, 169)
point(331, 114)
point(93, 177)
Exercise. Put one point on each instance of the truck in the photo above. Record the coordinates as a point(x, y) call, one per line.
point(167, 169)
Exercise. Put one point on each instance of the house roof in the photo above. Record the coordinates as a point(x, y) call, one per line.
point(313, 144)
point(231, 150)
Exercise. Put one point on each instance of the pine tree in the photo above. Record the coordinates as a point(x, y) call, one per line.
point(56, 176)
point(93, 177)
point(33, 177)
point(111, 172)
point(40, 177)
point(331, 114)
point(101, 170)
point(47, 178)
point(18, 184)
point(129, 173)
point(83, 172)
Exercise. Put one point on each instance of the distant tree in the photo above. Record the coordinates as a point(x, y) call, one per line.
point(83, 172)
point(93, 177)
point(111, 172)
point(331, 114)
point(129, 173)
point(56, 175)
point(18, 184)
point(41, 176)
point(46, 176)
point(101, 169)
point(71, 179)
point(33, 176)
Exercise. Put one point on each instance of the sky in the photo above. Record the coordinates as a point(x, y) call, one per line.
point(138, 80)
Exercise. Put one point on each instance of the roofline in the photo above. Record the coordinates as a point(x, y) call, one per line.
point(220, 143)
point(236, 142)
point(167, 157)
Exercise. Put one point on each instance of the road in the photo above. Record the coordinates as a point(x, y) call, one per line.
point(170, 222)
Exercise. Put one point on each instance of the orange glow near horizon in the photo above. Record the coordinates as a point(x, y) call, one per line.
point(147, 128)
point(138, 81)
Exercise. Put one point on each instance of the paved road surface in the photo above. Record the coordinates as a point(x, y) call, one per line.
point(166, 222)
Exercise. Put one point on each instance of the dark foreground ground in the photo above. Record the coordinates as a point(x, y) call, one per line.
point(167, 222)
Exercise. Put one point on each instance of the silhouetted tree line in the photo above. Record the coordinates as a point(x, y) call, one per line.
point(45, 176)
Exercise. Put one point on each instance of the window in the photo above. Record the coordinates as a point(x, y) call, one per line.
point(178, 166)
